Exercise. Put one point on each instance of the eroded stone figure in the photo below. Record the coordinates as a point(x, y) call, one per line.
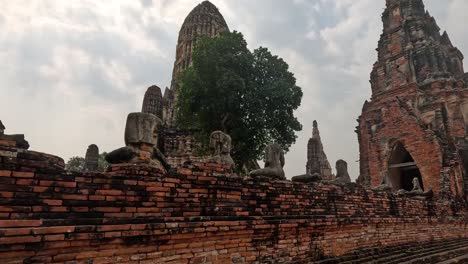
point(141, 137)
point(274, 163)
point(416, 186)
point(386, 184)
point(220, 146)
point(92, 158)
point(342, 175)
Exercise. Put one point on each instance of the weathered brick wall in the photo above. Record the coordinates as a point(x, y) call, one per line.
point(179, 146)
point(201, 213)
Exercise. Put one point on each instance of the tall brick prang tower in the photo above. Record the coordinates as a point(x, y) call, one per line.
point(204, 20)
point(415, 124)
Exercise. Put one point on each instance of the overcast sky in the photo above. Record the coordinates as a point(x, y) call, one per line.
point(72, 70)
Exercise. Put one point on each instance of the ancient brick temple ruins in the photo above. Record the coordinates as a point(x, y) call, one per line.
point(177, 144)
point(416, 123)
point(142, 210)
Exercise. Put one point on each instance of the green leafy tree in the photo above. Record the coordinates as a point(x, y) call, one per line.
point(102, 163)
point(249, 95)
point(78, 163)
point(75, 164)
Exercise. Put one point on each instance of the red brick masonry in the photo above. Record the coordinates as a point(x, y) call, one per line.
point(133, 214)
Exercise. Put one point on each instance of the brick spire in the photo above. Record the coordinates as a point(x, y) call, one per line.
point(204, 20)
point(416, 121)
point(317, 161)
point(315, 131)
point(411, 49)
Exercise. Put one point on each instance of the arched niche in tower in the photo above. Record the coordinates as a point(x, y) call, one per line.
point(402, 168)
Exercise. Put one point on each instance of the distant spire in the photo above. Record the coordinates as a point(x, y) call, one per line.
point(315, 130)
point(206, 2)
point(317, 161)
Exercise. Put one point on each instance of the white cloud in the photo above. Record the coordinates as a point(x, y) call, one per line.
point(352, 27)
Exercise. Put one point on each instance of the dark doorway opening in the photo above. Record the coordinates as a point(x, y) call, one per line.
point(403, 169)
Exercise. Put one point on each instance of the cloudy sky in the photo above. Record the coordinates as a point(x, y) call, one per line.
point(73, 70)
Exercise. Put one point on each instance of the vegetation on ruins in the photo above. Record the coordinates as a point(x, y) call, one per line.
point(249, 95)
point(77, 163)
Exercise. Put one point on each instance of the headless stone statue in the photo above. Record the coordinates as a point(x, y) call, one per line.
point(417, 191)
point(386, 184)
point(342, 175)
point(416, 186)
point(92, 158)
point(220, 146)
point(274, 163)
point(141, 137)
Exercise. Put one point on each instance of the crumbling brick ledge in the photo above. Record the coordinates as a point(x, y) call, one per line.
point(200, 214)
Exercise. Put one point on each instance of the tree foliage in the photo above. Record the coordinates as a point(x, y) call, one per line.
point(249, 95)
point(77, 164)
